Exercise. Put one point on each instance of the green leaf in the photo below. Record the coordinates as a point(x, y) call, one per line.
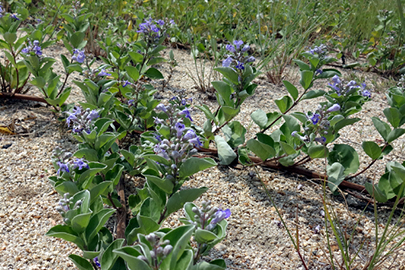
point(393, 116)
point(225, 152)
point(108, 257)
point(318, 151)
point(81, 262)
point(164, 184)
point(288, 149)
point(335, 175)
point(77, 40)
point(194, 165)
point(132, 72)
point(372, 149)
point(262, 150)
point(306, 79)
point(136, 57)
point(99, 189)
point(67, 187)
point(291, 89)
point(395, 134)
point(284, 103)
point(130, 255)
point(179, 239)
point(10, 37)
point(345, 122)
point(229, 73)
point(218, 264)
point(234, 133)
point(313, 94)
point(301, 64)
point(382, 127)
point(80, 222)
point(153, 73)
point(179, 198)
point(204, 236)
point(139, 224)
point(97, 221)
point(260, 118)
point(66, 233)
point(346, 156)
point(375, 192)
point(186, 260)
point(224, 90)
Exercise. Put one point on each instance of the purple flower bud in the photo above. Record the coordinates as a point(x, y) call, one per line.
point(334, 108)
point(227, 62)
point(251, 59)
point(321, 140)
point(190, 134)
point(95, 260)
point(245, 48)
point(161, 107)
point(93, 115)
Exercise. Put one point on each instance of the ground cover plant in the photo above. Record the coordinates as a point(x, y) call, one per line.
point(123, 131)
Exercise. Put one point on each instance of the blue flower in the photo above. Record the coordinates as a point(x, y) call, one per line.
point(336, 79)
point(318, 72)
point(179, 127)
point(240, 66)
point(95, 260)
point(227, 62)
point(238, 43)
point(63, 167)
point(160, 22)
point(103, 73)
point(186, 112)
point(78, 56)
point(315, 118)
point(230, 48)
point(218, 217)
point(125, 83)
point(366, 93)
point(190, 134)
point(79, 163)
point(14, 16)
point(196, 142)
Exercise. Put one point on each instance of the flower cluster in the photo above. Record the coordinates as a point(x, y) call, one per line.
point(182, 141)
point(153, 30)
point(320, 50)
point(345, 89)
point(78, 56)
point(238, 57)
point(160, 250)
point(318, 124)
point(208, 217)
point(81, 119)
point(33, 48)
point(67, 167)
point(64, 206)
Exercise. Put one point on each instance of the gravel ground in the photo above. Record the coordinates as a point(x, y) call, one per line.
point(256, 239)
